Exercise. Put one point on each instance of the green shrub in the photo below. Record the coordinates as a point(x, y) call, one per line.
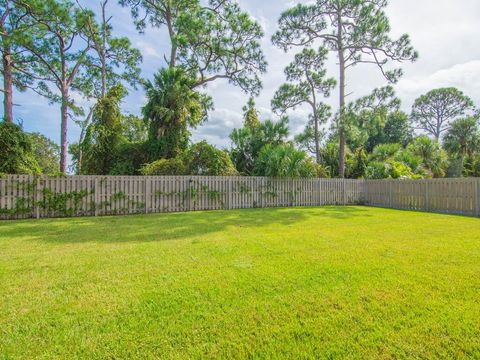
point(287, 161)
point(389, 169)
point(164, 167)
point(205, 159)
point(16, 151)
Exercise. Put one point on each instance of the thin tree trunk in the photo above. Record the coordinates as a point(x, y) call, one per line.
point(171, 34)
point(317, 142)
point(103, 50)
point(341, 129)
point(104, 76)
point(64, 129)
point(79, 161)
point(7, 84)
point(462, 161)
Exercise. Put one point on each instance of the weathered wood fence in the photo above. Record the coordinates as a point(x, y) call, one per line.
point(26, 196)
point(452, 196)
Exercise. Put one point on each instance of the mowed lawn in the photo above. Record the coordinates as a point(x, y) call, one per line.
point(328, 282)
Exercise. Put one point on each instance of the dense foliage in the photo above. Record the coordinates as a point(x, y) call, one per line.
point(16, 151)
point(46, 152)
point(199, 159)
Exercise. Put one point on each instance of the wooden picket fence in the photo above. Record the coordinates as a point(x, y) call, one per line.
point(26, 196)
point(451, 196)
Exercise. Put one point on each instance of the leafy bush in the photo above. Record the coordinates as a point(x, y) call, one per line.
point(433, 158)
point(164, 167)
point(16, 151)
point(129, 159)
point(200, 159)
point(384, 152)
point(389, 169)
point(286, 161)
point(46, 152)
point(205, 159)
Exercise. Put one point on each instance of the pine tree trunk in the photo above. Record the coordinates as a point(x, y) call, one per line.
point(341, 129)
point(63, 136)
point(7, 84)
point(317, 142)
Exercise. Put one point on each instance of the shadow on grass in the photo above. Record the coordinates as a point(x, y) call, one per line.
point(164, 227)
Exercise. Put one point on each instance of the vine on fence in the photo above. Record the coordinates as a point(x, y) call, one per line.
point(193, 193)
point(63, 204)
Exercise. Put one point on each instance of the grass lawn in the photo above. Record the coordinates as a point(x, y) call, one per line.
point(328, 282)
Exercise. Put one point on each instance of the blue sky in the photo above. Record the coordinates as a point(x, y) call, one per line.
point(445, 32)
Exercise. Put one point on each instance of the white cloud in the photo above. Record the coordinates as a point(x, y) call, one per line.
point(465, 77)
point(148, 50)
point(218, 128)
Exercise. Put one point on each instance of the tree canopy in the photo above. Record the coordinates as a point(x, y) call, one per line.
point(435, 111)
point(358, 32)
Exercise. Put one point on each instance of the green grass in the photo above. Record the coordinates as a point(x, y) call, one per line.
point(280, 283)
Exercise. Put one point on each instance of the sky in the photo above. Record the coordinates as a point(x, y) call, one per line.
point(445, 33)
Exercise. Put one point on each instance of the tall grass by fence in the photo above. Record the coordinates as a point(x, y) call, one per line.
point(26, 196)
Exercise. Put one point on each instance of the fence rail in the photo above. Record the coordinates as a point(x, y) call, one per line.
point(27, 196)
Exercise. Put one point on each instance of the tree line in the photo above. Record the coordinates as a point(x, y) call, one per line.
point(61, 50)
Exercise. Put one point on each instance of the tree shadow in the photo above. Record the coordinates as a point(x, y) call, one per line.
point(165, 227)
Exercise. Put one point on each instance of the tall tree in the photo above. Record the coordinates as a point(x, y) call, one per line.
point(435, 111)
point(114, 59)
point(61, 53)
point(15, 68)
point(462, 139)
point(172, 109)
point(105, 133)
point(307, 84)
point(366, 118)
point(357, 31)
point(215, 41)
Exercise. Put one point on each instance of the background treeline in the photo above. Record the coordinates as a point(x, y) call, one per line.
point(60, 50)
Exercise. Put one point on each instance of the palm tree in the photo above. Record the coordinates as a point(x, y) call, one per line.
point(172, 108)
point(285, 161)
point(463, 138)
point(434, 158)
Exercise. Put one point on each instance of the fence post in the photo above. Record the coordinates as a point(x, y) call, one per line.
point(344, 193)
point(290, 185)
point(189, 194)
point(37, 198)
point(147, 194)
point(426, 196)
point(97, 190)
point(230, 195)
point(390, 194)
point(477, 197)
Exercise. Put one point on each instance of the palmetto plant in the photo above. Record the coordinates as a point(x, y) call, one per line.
point(434, 158)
